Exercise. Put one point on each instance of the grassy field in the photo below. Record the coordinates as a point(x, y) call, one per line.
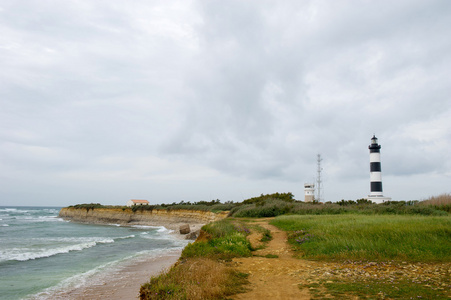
point(375, 256)
point(377, 289)
point(396, 250)
point(370, 237)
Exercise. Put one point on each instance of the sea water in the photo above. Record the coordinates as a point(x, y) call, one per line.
point(41, 253)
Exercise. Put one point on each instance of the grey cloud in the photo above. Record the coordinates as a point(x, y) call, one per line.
point(243, 92)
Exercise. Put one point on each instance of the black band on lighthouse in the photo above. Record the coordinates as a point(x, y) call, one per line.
point(376, 186)
point(375, 166)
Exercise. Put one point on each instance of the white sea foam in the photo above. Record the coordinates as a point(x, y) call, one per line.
point(100, 274)
point(24, 254)
point(73, 282)
point(28, 218)
point(126, 237)
point(14, 211)
point(49, 219)
point(145, 226)
point(8, 209)
point(46, 242)
point(5, 225)
point(163, 229)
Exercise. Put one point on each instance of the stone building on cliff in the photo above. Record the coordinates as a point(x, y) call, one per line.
point(133, 202)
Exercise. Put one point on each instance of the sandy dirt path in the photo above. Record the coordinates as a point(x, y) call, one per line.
point(273, 278)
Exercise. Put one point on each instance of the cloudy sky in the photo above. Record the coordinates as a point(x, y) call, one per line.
point(104, 101)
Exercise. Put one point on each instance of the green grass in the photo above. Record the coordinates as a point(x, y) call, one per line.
point(228, 240)
point(369, 237)
point(377, 289)
point(202, 271)
point(266, 235)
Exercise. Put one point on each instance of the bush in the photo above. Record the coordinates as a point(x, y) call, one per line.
point(275, 207)
point(227, 240)
point(263, 209)
point(88, 206)
point(287, 197)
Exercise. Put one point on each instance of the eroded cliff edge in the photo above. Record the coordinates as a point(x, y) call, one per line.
point(171, 219)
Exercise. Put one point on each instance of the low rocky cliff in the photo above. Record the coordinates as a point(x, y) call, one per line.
point(156, 217)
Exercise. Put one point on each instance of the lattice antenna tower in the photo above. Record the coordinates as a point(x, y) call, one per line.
point(318, 178)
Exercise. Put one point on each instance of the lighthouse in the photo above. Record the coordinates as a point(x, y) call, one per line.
point(376, 195)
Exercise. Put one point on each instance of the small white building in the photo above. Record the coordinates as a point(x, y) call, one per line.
point(309, 190)
point(133, 202)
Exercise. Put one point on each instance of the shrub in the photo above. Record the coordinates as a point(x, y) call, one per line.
point(88, 206)
point(268, 208)
point(287, 197)
point(228, 240)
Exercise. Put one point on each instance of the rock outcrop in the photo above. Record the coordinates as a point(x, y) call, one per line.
point(171, 219)
point(184, 229)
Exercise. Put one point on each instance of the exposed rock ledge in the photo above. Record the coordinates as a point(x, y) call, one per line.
point(170, 219)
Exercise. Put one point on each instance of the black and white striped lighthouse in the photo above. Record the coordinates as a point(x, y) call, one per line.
point(375, 173)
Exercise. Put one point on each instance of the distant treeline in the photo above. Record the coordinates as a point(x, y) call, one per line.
point(272, 205)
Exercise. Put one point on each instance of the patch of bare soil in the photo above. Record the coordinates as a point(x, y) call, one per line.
point(273, 278)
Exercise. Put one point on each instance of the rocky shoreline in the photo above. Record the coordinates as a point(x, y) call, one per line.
point(172, 219)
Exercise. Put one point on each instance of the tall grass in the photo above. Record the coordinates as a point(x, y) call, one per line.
point(198, 278)
point(369, 237)
point(201, 272)
point(442, 202)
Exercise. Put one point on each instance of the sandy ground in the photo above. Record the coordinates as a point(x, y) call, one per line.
point(123, 283)
point(286, 277)
point(272, 278)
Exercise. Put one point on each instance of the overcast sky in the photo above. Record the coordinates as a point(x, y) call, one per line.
point(106, 101)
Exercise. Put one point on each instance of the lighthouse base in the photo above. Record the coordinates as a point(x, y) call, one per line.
point(378, 199)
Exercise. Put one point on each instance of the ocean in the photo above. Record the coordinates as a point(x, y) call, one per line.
point(41, 254)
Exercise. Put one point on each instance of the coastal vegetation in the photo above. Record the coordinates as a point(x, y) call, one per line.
point(196, 278)
point(277, 204)
point(375, 256)
point(203, 271)
point(369, 238)
point(222, 240)
point(442, 202)
point(395, 249)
